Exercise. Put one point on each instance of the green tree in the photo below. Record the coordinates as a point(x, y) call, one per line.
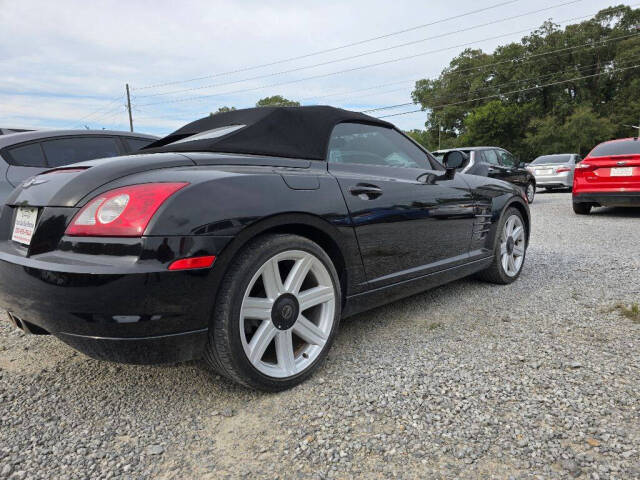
point(496, 123)
point(583, 130)
point(420, 136)
point(223, 110)
point(579, 133)
point(276, 101)
point(557, 89)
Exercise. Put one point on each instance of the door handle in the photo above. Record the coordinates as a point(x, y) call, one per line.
point(365, 191)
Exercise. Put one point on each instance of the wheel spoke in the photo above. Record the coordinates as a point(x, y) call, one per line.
point(257, 308)
point(505, 262)
point(509, 226)
point(517, 233)
point(309, 331)
point(261, 340)
point(272, 280)
point(314, 296)
point(284, 351)
point(297, 274)
point(512, 266)
point(503, 249)
point(517, 250)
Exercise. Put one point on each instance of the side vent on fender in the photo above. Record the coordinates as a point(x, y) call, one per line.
point(482, 223)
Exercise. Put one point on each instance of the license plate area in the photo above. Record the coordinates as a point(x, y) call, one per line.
point(547, 171)
point(621, 172)
point(24, 225)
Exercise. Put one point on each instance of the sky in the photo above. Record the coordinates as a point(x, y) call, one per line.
point(64, 64)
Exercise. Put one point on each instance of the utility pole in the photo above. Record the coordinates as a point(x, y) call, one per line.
point(129, 108)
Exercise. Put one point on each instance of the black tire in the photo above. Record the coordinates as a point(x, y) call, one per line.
point(548, 189)
point(495, 273)
point(224, 352)
point(582, 208)
point(530, 192)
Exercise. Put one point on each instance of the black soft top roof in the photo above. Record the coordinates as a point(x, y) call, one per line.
point(296, 132)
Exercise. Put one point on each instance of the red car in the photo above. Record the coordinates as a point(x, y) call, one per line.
point(609, 176)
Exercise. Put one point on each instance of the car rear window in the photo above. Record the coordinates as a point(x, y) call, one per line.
point(552, 159)
point(135, 144)
point(620, 147)
point(64, 151)
point(26, 156)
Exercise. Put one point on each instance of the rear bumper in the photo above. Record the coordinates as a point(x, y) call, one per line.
point(609, 199)
point(147, 317)
point(560, 180)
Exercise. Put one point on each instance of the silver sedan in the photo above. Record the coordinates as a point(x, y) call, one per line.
point(554, 171)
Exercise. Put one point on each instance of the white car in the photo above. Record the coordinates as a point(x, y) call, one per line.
point(554, 171)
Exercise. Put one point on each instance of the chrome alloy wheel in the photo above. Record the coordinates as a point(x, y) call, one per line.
point(284, 324)
point(531, 192)
point(512, 245)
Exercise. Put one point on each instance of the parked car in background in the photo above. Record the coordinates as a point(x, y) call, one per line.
point(496, 162)
point(554, 171)
point(7, 131)
point(23, 155)
point(245, 237)
point(609, 176)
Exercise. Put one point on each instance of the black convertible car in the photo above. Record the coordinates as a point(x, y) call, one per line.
point(244, 237)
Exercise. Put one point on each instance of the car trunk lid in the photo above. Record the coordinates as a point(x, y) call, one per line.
point(37, 212)
point(614, 170)
point(66, 187)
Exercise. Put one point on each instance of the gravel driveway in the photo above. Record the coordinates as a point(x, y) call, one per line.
point(540, 379)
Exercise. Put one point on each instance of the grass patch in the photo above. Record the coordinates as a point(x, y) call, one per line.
point(434, 326)
point(632, 312)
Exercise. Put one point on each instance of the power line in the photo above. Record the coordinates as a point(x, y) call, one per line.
point(512, 92)
point(108, 113)
point(349, 92)
point(362, 67)
point(328, 50)
point(578, 68)
point(98, 110)
point(489, 87)
point(526, 58)
point(360, 55)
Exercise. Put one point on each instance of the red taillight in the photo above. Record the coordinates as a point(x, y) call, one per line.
point(563, 169)
point(123, 212)
point(582, 166)
point(193, 262)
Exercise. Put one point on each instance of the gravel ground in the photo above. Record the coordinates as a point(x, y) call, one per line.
point(539, 379)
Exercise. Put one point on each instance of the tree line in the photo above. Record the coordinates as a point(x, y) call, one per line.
point(558, 90)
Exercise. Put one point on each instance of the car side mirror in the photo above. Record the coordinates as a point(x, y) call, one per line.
point(453, 160)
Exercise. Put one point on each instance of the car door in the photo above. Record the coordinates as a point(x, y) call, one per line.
point(409, 219)
point(510, 171)
point(490, 158)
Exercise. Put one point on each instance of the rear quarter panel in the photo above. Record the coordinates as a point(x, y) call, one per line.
point(243, 201)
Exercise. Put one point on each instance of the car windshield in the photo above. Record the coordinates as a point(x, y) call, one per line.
point(551, 160)
point(619, 147)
